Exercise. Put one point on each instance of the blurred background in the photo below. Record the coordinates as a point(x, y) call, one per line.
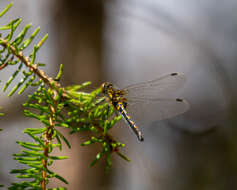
point(131, 41)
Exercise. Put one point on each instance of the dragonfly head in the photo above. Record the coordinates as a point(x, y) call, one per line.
point(106, 86)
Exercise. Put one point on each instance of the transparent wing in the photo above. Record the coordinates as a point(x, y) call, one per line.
point(144, 111)
point(159, 87)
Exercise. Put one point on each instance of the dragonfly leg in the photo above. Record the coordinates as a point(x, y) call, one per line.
point(107, 111)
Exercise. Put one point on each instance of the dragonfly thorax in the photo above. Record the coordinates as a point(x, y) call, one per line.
point(115, 95)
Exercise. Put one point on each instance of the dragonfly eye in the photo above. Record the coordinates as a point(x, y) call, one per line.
point(105, 86)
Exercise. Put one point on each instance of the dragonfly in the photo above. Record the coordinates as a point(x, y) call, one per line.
point(140, 97)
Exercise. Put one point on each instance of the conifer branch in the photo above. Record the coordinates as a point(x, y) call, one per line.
point(47, 141)
point(54, 106)
point(32, 67)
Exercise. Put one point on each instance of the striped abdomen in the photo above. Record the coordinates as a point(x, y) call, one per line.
point(120, 108)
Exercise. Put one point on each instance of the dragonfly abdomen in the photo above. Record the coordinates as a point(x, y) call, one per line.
point(120, 108)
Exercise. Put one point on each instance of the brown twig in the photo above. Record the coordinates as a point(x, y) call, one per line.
point(32, 67)
point(6, 64)
point(3, 65)
point(108, 138)
point(47, 141)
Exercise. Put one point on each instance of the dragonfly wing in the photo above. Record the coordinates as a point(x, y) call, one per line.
point(145, 111)
point(159, 87)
